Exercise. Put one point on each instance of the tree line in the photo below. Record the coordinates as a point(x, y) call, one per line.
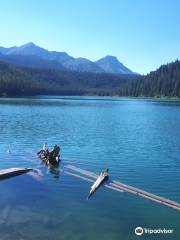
point(15, 80)
point(164, 82)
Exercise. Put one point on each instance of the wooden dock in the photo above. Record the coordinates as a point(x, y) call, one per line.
point(12, 172)
point(121, 187)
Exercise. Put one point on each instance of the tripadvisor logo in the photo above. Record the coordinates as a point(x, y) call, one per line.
point(139, 231)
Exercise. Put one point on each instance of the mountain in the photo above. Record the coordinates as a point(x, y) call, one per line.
point(61, 57)
point(30, 49)
point(82, 65)
point(27, 49)
point(107, 64)
point(30, 61)
point(4, 50)
point(110, 64)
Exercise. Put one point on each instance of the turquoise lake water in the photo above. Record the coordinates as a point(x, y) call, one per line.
point(137, 139)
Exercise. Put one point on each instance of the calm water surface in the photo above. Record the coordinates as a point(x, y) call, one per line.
point(139, 140)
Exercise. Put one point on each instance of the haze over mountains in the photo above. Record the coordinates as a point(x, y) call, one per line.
point(31, 55)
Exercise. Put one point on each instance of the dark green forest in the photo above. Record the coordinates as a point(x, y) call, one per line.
point(18, 81)
point(164, 82)
point(15, 80)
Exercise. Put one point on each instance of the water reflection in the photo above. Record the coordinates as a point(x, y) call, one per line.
point(55, 170)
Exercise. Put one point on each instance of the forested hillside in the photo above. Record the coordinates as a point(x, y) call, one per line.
point(28, 81)
point(164, 82)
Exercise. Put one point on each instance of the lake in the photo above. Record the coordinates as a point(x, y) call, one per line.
point(137, 139)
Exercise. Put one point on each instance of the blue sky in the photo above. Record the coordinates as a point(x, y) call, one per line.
point(143, 34)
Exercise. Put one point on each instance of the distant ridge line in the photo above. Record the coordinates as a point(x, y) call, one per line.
point(107, 64)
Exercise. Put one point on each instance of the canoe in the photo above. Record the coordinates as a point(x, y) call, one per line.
point(102, 177)
point(12, 172)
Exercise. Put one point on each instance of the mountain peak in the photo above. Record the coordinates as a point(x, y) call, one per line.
point(107, 64)
point(28, 49)
point(111, 64)
point(110, 57)
point(29, 44)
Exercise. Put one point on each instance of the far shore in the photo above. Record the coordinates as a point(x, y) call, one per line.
point(92, 95)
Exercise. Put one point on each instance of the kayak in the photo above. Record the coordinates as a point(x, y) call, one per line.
point(12, 172)
point(102, 177)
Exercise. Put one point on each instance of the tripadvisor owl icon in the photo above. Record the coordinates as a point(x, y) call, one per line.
point(139, 231)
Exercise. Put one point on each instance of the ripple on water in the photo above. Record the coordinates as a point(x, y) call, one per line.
point(134, 138)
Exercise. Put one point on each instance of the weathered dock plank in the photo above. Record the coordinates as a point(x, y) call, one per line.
point(12, 172)
point(121, 187)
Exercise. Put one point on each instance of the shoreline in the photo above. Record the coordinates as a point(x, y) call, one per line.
point(98, 96)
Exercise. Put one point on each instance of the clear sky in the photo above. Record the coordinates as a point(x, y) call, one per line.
point(143, 34)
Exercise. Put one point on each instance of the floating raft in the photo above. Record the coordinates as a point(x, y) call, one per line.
point(12, 172)
point(121, 187)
